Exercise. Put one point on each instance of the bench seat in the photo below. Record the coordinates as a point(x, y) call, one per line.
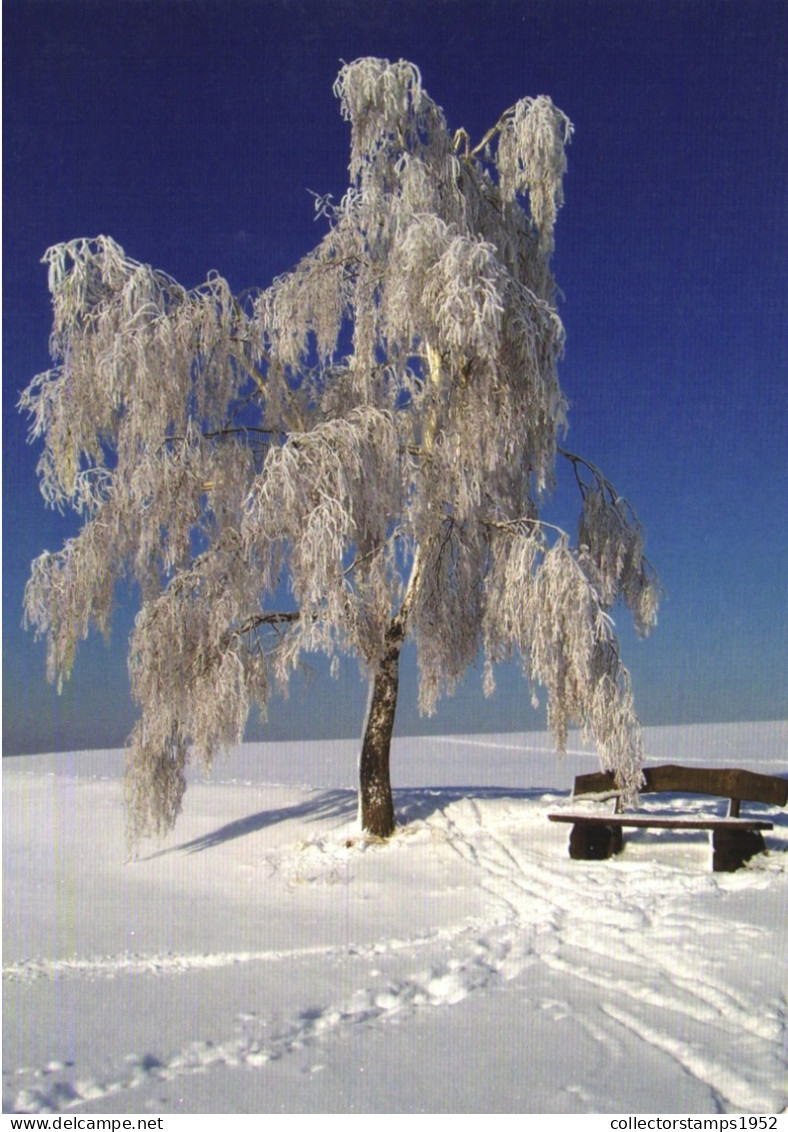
point(661, 821)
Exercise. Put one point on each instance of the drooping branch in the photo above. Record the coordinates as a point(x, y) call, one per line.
point(611, 536)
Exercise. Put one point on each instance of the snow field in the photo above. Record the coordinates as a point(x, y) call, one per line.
point(266, 958)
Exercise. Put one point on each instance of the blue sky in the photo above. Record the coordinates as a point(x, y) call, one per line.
point(191, 133)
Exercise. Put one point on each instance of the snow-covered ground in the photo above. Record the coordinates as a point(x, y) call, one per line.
point(264, 958)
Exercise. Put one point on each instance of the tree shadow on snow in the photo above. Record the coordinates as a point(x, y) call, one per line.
point(419, 804)
point(411, 805)
point(329, 804)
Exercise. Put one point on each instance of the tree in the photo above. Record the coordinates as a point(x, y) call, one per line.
point(380, 428)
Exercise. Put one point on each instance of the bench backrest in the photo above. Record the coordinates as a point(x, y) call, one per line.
point(722, 782)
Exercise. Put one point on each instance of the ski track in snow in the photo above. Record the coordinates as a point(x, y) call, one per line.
point(615, 930)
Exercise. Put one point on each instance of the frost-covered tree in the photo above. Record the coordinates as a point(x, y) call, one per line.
point(378, 429)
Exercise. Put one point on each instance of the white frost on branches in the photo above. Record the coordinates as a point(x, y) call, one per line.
point(532, 159)
point(391, 401)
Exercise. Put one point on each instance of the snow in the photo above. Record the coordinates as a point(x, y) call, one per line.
point(266, 958)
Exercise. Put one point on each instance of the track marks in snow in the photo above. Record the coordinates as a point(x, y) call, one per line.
point(113, 966)
point(110, 967)
point(751, 1091)
point(257, 1041)
point(170, 963)
point(629, 930)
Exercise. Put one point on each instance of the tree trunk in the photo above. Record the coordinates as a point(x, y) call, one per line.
point(376, 806)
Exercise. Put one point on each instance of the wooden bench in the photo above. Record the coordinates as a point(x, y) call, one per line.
point(596, 836)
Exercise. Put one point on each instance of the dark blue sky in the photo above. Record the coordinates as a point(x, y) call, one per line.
point(191, 131)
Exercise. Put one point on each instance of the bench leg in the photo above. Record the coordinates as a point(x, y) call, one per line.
point(732, 847)
point(591, 842)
